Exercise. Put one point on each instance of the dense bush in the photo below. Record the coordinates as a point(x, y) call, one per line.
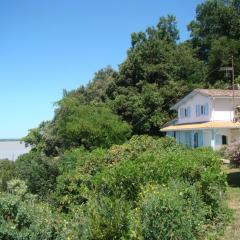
point(147, 188)
point(7, 172)
point(39, 172)
point(162, 161)
point(79, 124)
point(125, 174)
point(173, 212)
point(21, 217)
point(76, 168)
point(232, 152)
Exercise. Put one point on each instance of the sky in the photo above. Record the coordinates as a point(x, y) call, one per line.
point(50, 45)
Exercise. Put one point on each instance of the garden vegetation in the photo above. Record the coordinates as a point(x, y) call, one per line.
point(101, 169)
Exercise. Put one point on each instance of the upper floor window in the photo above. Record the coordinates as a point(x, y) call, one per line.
point(185, 112)
point(202, 110)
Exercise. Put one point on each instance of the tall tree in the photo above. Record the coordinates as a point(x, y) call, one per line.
point(215, 34)
point(156, 73)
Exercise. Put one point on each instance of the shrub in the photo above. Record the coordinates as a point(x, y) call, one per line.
point(172, 212)
point(21, 217)
point(106, 219)
point(104, 183)
point(90, 126)
point(198, 166)
point(7, 172)
point(101, 218)
point(77, 168)
point(232, 152)
point(39, 173)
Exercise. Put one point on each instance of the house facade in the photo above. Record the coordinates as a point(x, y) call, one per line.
point(206, 117)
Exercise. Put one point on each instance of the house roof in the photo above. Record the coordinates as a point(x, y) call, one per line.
point(203, 125)
point(218, 93)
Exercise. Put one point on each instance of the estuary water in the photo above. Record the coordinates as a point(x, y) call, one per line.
point(12, 149)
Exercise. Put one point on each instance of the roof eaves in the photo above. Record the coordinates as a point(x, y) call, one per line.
point(191, 94)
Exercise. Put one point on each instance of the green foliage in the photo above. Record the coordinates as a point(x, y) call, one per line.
point(215, 34)
point(21, 217)
point(146, 188)
point(156, 73)
point(105, 219)
point(111, 188)
point(96, 90)
point(89, 126)
point(161, 164)
point(76, 168)
point(43, 139)
point(39, 172)
point(7, 172)
point(173, 212)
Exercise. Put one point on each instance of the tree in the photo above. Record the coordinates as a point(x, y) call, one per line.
point(39, 172)
point(43, 139)
point(22, 217)
point(157, 72)
point(7, 172)
point(215, 34)
point(91, 126)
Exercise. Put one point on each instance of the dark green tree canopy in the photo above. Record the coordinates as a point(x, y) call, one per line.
point(157, 72)
point(215, 34)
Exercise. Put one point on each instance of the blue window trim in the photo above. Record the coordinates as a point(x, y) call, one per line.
point(185, 112)
point(202, 110)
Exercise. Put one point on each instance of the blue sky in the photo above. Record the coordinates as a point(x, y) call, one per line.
point(50, 45)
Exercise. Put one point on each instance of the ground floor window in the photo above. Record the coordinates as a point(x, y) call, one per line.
point(224, 140)
point(195, 139)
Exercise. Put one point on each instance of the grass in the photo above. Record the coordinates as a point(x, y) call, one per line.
point(232, 231)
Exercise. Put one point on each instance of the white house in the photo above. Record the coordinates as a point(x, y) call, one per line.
point(206, 117)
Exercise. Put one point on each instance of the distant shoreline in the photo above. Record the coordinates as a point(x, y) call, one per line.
point(11, 149)
point(10, 140)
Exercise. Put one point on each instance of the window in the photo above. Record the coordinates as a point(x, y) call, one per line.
point(221, 139)
point(185, 112)
point(174, 134)
point(202, 110)
point(195, 140)
point(224, 140)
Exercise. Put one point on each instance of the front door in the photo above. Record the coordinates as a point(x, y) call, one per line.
point(195, 139)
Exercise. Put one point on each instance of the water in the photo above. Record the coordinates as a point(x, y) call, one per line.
point(12, 149)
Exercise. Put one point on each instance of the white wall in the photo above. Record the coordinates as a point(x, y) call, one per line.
point(218, 137)
point(207, 136)
point(235, 135)
point(222, 109)
point(231, 134)
point(192, 102)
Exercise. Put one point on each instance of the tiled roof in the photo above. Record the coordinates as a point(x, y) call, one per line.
point(209, 93)
point(218, 92)
point(203, 125)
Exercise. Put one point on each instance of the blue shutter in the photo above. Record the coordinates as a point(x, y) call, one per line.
point(178, 136)
point(189, 111)
point(192, 138)
point(181, 112)
point(200, 138)
point(206, 109)
point(198, 110)
point(170, 134)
